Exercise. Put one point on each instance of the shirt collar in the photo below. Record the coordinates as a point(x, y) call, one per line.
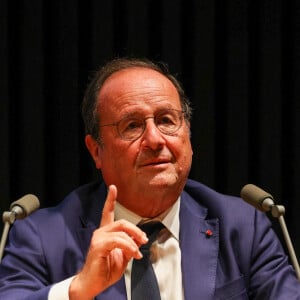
point(169, 218)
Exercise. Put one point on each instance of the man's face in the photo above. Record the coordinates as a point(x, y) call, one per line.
point(154, 166)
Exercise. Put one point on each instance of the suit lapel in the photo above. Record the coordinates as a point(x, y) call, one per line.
point(90, 217)
point(199, 249)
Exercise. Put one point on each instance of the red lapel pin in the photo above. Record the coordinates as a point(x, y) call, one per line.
point(208, 233)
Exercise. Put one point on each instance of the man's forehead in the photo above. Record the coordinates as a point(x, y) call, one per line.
point(135, 74)
point(135, 80)
point(118, 101)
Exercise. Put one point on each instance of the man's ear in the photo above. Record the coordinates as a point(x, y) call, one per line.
point(95, 150)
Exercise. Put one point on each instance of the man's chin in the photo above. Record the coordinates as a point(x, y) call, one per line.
point(161, 181)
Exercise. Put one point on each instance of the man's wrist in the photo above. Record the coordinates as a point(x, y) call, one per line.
point(77, 291)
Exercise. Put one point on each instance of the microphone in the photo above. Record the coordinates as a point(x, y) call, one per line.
point(257, 197)
point(24, 206)
point(264, 202)
point(19, 209)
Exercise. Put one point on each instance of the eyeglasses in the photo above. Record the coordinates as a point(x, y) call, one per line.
point(167, 121)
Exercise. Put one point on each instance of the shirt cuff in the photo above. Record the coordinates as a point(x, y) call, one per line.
point(60, 290)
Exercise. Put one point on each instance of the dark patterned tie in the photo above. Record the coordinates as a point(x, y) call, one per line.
point(143, 280)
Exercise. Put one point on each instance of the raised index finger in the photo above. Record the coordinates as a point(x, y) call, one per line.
point(108, 213)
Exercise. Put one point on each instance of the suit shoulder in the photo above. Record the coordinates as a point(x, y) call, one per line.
point(218, 204)
point(76, 204)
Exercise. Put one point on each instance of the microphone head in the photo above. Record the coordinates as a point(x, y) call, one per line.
point(257, 197)
point(25, 206)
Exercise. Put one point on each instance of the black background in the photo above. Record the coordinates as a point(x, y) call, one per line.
point(238, 60)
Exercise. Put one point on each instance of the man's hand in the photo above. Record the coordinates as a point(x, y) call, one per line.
point(112, 246)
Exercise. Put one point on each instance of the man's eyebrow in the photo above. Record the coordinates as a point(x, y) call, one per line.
point(134, 114)
point(138, 114)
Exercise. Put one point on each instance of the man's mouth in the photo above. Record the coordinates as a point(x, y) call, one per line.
point(154, 162)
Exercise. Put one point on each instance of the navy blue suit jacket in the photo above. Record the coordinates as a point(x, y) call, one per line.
point(242, 259)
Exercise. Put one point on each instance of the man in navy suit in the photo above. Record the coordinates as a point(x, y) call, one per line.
point(212, 246)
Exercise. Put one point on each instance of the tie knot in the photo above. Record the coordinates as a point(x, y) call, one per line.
point(152, 229)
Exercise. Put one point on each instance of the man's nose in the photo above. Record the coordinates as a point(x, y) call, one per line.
point(152, 137)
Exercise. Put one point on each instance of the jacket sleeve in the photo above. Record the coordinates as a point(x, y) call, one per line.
point(23, 270)
point(271, 275)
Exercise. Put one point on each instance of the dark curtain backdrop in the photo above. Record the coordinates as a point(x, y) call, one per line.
point(238, 60)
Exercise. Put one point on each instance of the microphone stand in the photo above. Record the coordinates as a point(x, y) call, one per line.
point(8, 219)
point(278, 212)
